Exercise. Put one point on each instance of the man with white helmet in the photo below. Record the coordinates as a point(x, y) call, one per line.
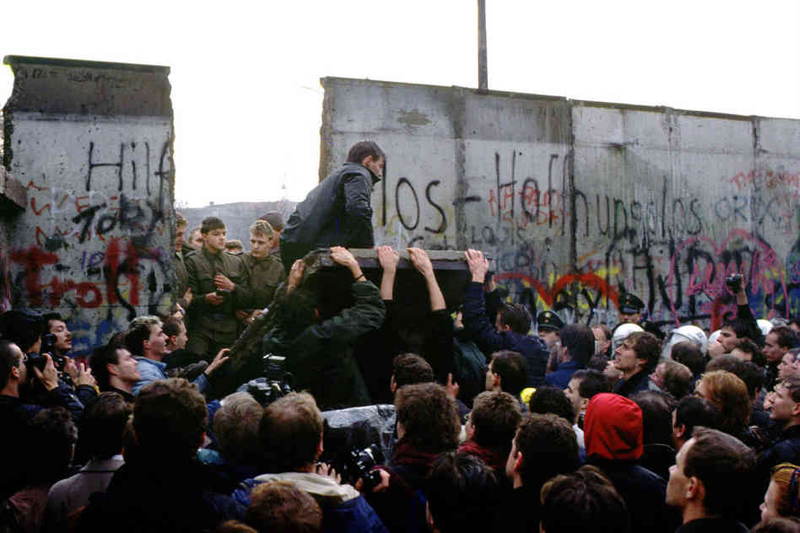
point(690, 333)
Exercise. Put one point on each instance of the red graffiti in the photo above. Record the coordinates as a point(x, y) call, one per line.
point(130, 269)
point(549, 294)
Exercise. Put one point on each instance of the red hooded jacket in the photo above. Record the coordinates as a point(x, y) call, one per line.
point(613, 428)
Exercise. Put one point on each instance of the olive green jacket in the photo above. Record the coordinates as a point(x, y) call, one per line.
point(201, 267)
point(265, 274)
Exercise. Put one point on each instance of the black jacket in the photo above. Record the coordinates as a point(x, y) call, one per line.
point(337, 212)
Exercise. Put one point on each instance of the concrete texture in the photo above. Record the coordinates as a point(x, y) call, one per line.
point(578, 202)
point(92, 145)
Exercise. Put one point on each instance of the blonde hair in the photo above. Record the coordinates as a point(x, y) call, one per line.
point(262, 228)
point(786, 477)
point(728, 393)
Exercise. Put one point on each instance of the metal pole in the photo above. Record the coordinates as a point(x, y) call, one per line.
point(483, 75)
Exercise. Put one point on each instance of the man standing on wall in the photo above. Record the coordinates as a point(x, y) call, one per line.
point(337, 212)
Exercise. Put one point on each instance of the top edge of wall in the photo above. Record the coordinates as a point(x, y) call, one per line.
point(13, 60)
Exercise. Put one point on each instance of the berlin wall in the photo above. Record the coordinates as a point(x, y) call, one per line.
point(578, 202)
point(92, 145)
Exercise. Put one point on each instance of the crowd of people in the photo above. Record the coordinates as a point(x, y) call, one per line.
point(492, 427)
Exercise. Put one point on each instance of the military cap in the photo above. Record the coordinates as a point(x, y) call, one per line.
point(630, 304)
point(549, 321)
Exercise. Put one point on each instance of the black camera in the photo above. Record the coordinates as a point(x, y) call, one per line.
point(360, 464)
point(36, 360)
point(275, 384)
point(48, 343)
point(734, 282)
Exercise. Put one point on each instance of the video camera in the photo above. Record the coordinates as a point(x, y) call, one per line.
point(275, 384)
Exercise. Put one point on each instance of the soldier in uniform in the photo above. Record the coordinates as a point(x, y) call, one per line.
point(264, 269)
point(549, 324)
point(182, 250)
point(220, 284)
point(630, 309)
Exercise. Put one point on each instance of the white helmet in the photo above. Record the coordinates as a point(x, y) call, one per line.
point(621, 333)
point(764, 325)
point(685, 333)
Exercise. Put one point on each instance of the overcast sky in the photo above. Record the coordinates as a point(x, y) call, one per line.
point(245, 79)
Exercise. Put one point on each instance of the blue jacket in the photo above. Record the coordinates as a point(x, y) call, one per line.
point(562, 374)
point(150, 371)
point(488, 339)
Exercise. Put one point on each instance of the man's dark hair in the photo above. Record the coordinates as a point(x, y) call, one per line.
point(409, 368)
point(515, 316)
point(361, 150)
point(756, 355)
point(552, 400)
point(647, 347)
point(49, 317)
point(103, 425)
point(274, 219)
point(786, 336)
point(748, 372)
point(282, 506)
point(579, 342)
point(169, 418)
point(792, 385)
point(511, 368)
point(495, 417)
point(693, 412)
point(689, 354)
point(429, 417)
point(23, 327)
point(290, 432)
point(548, 446)
point(8, 360)
point(135, 338)
point(101, 357)
point(744, 328)
point(462, 493)
point(52, 438)
point(210, 224)
point(598, 362)
point(583, 501)
point(172, 326)
point(656, 409)
point(297, 311)
point(678, 379)
point(591, 382)
point(724, 465)
point(778, 525)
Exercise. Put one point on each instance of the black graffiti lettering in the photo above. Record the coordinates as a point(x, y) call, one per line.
point(693, 206)
point(488, 236)
point(443, 225)
point(739, 205)
point(619, 205)
point(87, 216)
point(400, 183)
point(105, 223)
point(603, 231)
point(534, 197)
point(93, 165)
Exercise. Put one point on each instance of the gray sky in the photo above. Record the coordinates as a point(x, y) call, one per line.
point(245, 75)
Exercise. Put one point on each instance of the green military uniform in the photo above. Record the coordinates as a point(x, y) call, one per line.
point(265, 274)
point(213, 327)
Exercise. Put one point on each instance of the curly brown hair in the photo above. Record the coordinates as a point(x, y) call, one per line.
point(169, 418)
point(429, 417)
point(290, 432)
point(281, 506)
point(495, 417)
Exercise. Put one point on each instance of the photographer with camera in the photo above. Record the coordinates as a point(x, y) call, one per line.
point(291, 439)
point(57, 341)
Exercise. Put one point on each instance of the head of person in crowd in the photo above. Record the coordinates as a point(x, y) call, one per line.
point(584, 500)
point(613, 428)
point(779, 341)
point(747, 350)
point(765, 326)
point(51, 442)
point(281, 506)
point(583, 386)
point(544, 446)
point(261, 239)
point(778, 525)
point(789, 365)
point(552, 400)
point(506, 372)
point(214, 233)
point(196, 238)
point(577, 344)
point(23, 327)
point(180, 231)
point(236, 425)
point(785, 408)
point(492, 424)
point(673, 377)
point(752, 375)
point(234, 246)
point(275, 221)
point(290, 433)
point(782, 499)
point(368, 154)
point(408, 369)
point(63, 336)
point(599, 363)
point(686, 333)
point(602, 339)
point(169, 420)
point(638, 354)
point(114, 367)
point(692, 412)
point(463, 494)
point(622, 332)
point(427, 419)
point(728, 393)
point(147, 340)
point(657, 410)
point(175, 330)
point(630, 309)
point(735, 329)
point(13, 368)
point(549, 325)
point(687, 353)
point(708, 476)
point(794, 323)
point(513, 317)
point(103, 425)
